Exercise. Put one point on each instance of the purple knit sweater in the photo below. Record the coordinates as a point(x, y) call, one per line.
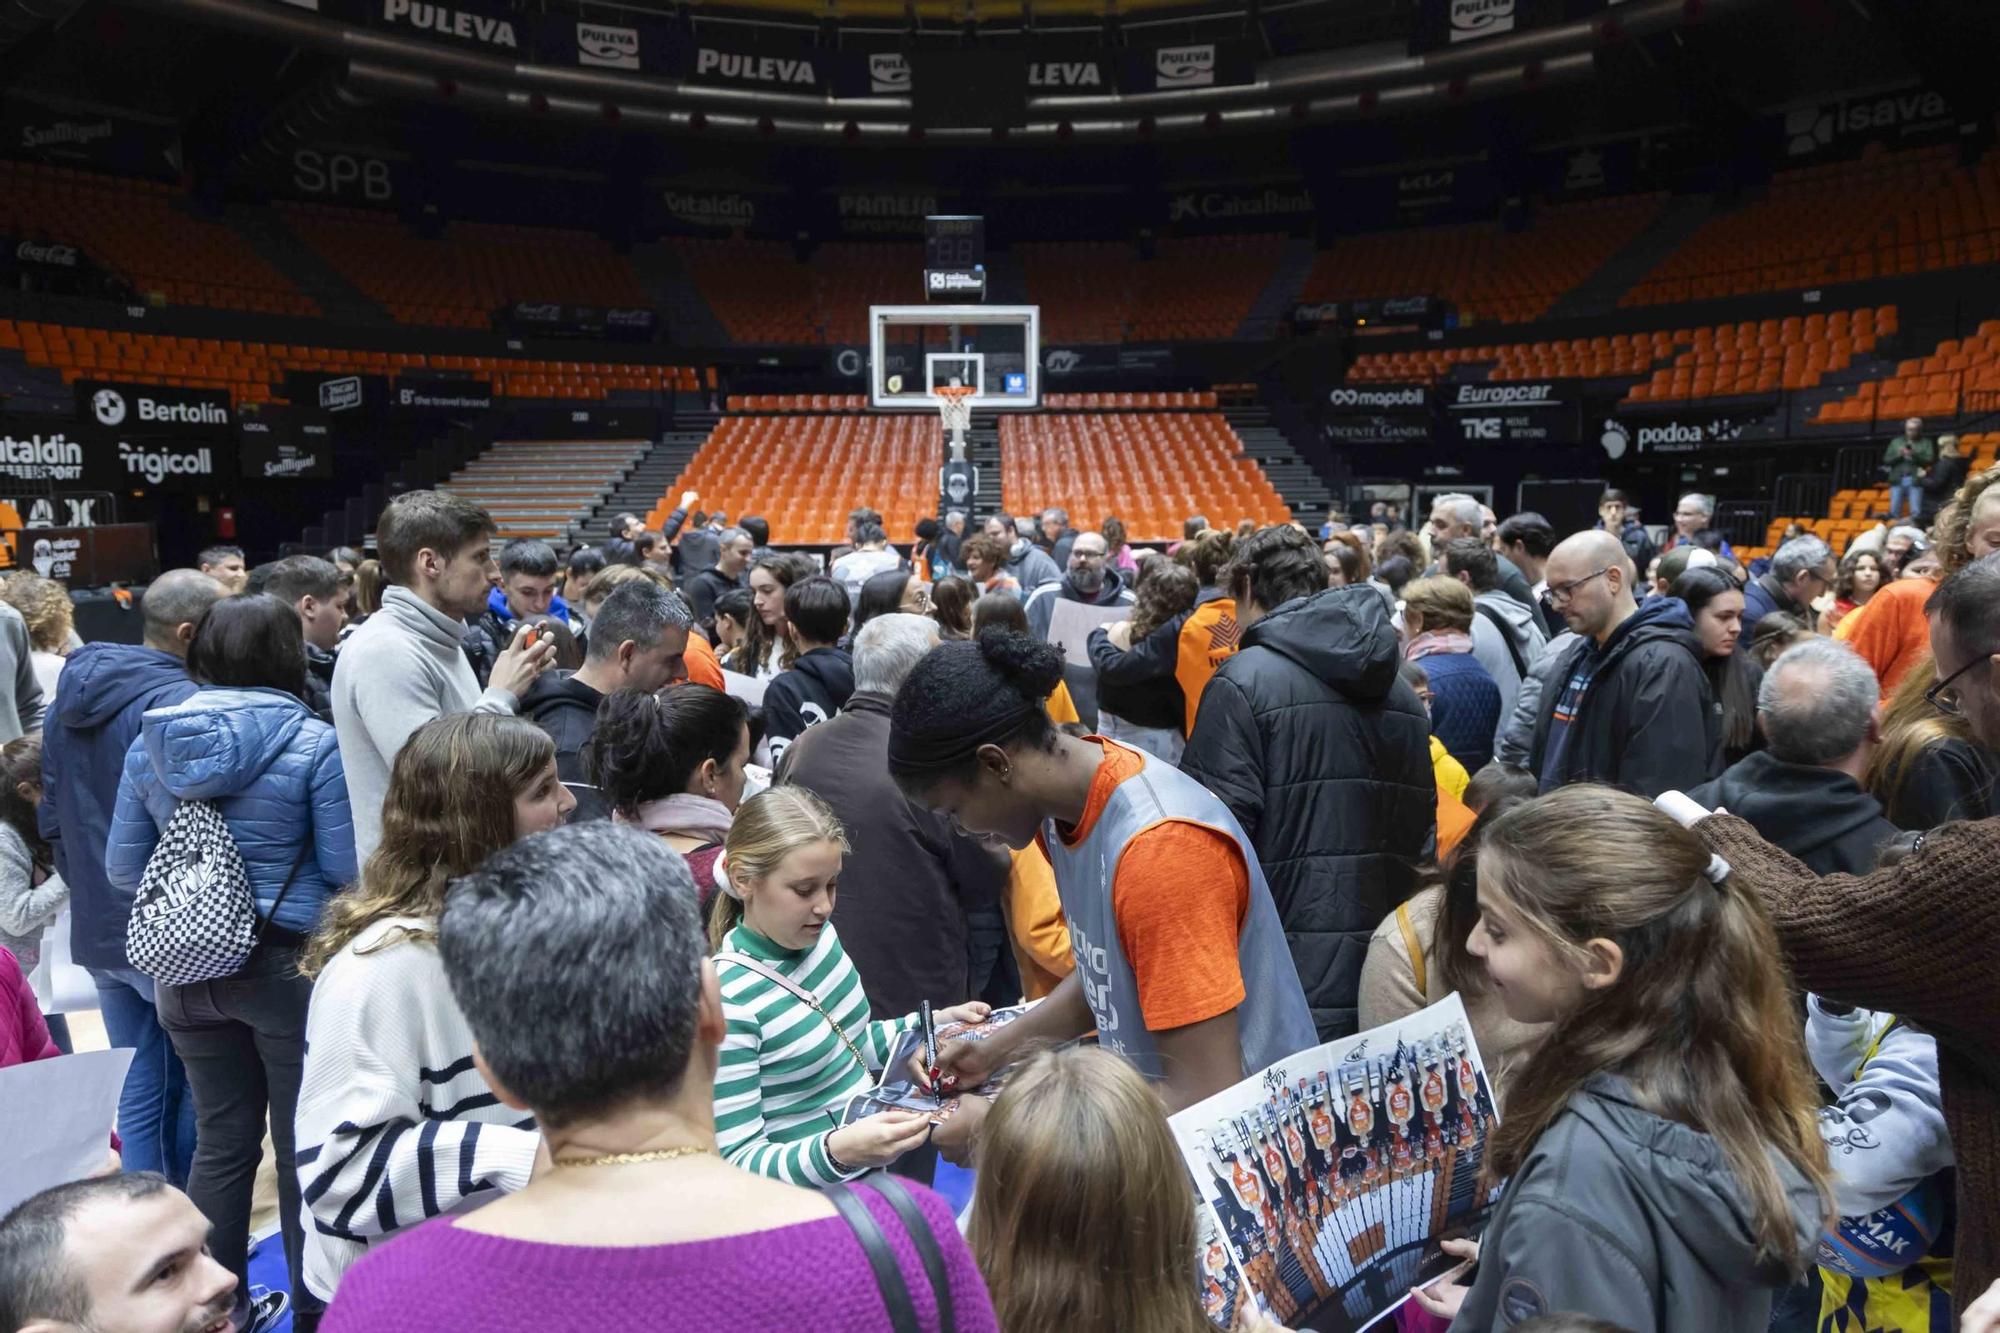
point(442, 1278)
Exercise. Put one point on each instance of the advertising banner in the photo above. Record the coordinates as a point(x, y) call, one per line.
point(89, 557)
point(38, 454)
point(1896, 120)
point(459, 22)
point(347, 396)
point(1194, 65)
point(885, 212)
point(698, 211)
point(551, 319)
point(1366, 414)
point(1513, 412)
point(629, 44)
point(450, 396)
point(1255, 207)
point(163, 462)
point(97, 139)
point(355, 178)
point(795, 70)
point(155, 408)
point(1444, 23)
point(274, 445)
point(63, 509)
point(1683, 432)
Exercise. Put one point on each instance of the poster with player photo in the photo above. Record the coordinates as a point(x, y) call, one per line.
point(898, 1091)
point(1328, 1179)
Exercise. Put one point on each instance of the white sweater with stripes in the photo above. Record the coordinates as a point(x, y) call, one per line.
point(395, 1125)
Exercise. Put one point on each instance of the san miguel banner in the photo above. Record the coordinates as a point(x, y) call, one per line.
point(1194, 65)
point(93, 138)
point(153, 408)
point(276, 446)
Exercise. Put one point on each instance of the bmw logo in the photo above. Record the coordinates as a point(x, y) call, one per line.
point(109, 405)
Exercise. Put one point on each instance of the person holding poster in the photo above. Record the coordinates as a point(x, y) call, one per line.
point(1666, 1167)
point(1182, 966)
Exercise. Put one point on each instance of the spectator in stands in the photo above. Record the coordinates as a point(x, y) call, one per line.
point(731, 570)
point(1191, 527)
point(105, 691)
point(1819, 711)
point(673, 764)
point(655, 1226)
point(985, 557)
point(640, 644)
point(1801, 571)
point(1437, 633)
point(1904, 461)
point(944, 553)
point(1322, 755)
point(627, 527)
point(345, 559)
point(1507, 638)
point(1057, 535)
point(892, 591)
point(1692, 515)
point(117, 1253)
point(1139, 700)
point(312, 587)
point(1945, 476)
point(1631, 534)
point(951, 606)
point(1623, 705)
point(912, 875)
point(1901, 544)
point(1025, 562)
point(1201, 989)
point(407, 664)
point(225, 565)
point(816, 686)
point(768, 649)
point(1861, 576)
point(397, 1122)
point(1892, 632)
point(1715, 601)
point(50, 616)
point(1929, 769)
point(871, 555)
point(246, 742)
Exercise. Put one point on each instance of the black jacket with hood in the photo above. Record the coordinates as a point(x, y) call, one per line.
point(1622, 1215)
point(1140, 683)
point(1818, 815)
point(816, 688)
point(566, 708)
point(1323, 754)
point(1648, 722)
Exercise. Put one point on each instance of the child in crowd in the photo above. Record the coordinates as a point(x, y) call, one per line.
point(32, 894)
point(800, 1044)
point(1663, 1161)
point(396, 1122)
point(1083, 1220)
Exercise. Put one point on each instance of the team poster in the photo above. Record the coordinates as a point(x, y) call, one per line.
point(1329, 1177)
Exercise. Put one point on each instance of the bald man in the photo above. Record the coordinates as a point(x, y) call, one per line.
point(1630, 704)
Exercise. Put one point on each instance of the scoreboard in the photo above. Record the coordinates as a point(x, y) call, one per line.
point(954, 258)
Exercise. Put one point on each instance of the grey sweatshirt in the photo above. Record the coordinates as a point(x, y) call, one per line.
point(403, 667)
point(21, 702)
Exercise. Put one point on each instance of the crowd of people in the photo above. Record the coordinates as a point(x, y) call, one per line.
point(562, 915)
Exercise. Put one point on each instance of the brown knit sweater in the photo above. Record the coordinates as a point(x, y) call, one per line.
point(1917, 940)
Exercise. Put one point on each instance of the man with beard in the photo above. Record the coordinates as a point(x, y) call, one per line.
point(1091, 581)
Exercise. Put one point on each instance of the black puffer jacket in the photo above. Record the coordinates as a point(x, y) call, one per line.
point(566, 708)
point(1323, 754)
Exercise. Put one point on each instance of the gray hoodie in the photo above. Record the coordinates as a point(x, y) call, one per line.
point(1523, 628)
point(1628, 1217)
point(405, 666)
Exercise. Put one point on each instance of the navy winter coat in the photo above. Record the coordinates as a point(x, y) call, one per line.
point(271, 767)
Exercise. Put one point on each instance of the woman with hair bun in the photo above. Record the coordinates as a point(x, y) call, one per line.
point(1182, 966)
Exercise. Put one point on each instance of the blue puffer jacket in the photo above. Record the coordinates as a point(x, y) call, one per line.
point(271, 767)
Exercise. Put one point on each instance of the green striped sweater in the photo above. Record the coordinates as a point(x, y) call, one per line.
point(785, 1074)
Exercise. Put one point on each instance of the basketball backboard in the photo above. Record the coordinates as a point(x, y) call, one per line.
point(993, 349)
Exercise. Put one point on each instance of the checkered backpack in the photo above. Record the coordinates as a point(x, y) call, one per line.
point(194, 917)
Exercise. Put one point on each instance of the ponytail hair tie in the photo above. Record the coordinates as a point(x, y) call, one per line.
point(721, 872)
point(1718, 869)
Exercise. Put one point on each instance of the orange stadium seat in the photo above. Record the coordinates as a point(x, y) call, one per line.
point(1883, 214)
point(1151, 469)
point(146, 233)
point(1960, 375)
point(1490, 274)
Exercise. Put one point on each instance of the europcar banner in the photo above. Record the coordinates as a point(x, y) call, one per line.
point(1510, 412)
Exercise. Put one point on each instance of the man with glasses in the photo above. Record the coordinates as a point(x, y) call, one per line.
point(1064, 613)
point(1691, 515)
point(1801, 571)
point(1630, 703)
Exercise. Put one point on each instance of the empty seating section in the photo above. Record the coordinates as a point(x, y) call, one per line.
point(1489, 273)
point(1151, 469)
point(143, 232)
point(1105, 402)
point(253, 372)
point(806, 473)
point(1102, 291)
point(798, 402)
point(1855, 510)
point(1880, 215)
point(537, 488)
point(1961, 375)
point(1767, 357)
point(849, 276)
point(474, 270)
point(1678, 364)
point(757, 289)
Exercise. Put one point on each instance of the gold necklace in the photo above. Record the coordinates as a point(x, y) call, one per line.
point(633, 1158)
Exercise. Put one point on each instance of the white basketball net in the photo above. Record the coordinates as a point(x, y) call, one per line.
point(955, 410)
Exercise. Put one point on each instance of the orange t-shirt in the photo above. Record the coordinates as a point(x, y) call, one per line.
point(1891, 632)
point(703, 667)
point(1181, 894)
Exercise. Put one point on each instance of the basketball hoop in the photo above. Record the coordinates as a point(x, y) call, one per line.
point(954, 405)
